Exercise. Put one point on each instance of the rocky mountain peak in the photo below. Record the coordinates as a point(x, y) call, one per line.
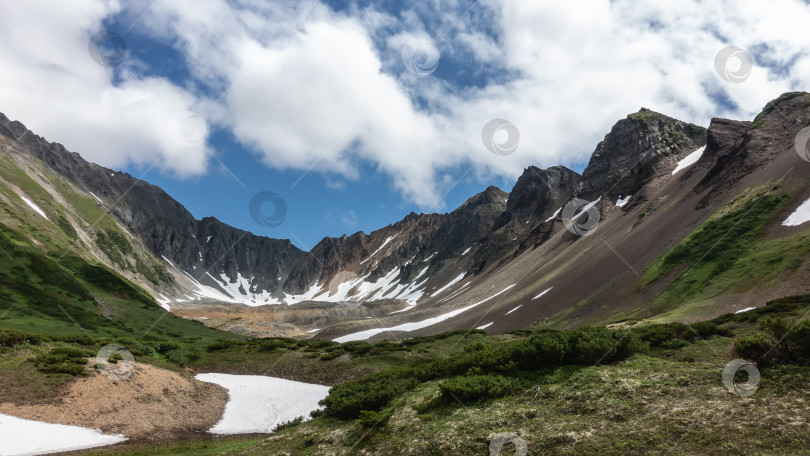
point(540, 192)
point(629, 155)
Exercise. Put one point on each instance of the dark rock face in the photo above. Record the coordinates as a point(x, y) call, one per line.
point(736, 149)
point(722, 137)
point(539, 193)
point(630, 154)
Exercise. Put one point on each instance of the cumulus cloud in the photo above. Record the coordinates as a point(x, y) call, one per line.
point(307, 88)
point(50, 82)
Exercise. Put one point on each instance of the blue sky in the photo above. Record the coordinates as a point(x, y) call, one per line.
point(315, 208)
point(328, 105)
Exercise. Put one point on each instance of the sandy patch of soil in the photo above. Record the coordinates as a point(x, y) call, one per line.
point(151, 404)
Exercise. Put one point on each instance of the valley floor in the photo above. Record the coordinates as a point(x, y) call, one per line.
point(671, 402)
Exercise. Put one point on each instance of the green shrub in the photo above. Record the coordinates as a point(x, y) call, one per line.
point(589, 345)
point(269, 345)
point(288, 424)
point(115, 358)
point(193, 355)
point(674, 344)
point(476, 387)
point(13, 338)
point(704, 329)
point(77, 339)
point(551, 347)
point(372, 392)
point(360, 347)
point(753, 347)
point(674, 335)
point(62, 360)
point(222, 345)
point(483, 363)
point(315, 344)
point(330, 355)
point(168, 346)
point(373, 420)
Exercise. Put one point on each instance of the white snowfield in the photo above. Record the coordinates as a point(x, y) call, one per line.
point(621, 202)
point(486, 325)
point(413, 326)
point(34, 207)
point(799, 216)
point(744, 310)
point(243, 290)
point(257, 403)
point(689, 160)
point(26, 437)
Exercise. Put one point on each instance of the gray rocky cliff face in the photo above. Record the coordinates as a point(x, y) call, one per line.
point(631, 154)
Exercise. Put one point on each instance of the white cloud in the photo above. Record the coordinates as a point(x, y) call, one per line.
point(313, 90)
point(50, 82)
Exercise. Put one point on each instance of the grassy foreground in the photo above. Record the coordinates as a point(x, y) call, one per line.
point(667, 400)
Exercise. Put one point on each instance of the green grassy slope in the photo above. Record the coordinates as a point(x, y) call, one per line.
point(728, 253)
point(51, 279)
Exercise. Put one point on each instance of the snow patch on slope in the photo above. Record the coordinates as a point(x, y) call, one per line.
point(542, 293)
point(27, 437)
point(689, 160)
point(34, 207)
point(363, 335)
point(96, 197)
point(379, 248)
point(516, 308)
point(450, 284)
point(799, 216)
point(164, 302)
point(257, 403)
point(621, 202)
point(553, 216)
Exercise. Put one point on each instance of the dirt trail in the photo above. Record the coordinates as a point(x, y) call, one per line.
point(151, 404)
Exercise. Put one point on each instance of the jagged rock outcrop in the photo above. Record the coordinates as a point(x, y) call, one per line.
point(736, 149)
point(539, 193)
point(631, 154)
